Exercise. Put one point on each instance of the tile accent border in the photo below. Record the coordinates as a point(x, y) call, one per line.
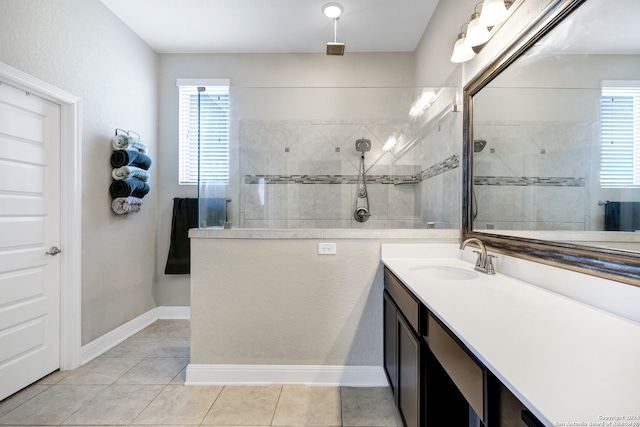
point(321, 375)
point(327, 179)
point(437, 169)
point(524, 181)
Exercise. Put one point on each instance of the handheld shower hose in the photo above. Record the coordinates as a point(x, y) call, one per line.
point(361, 211)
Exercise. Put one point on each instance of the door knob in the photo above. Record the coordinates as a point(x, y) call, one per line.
point(53, 250)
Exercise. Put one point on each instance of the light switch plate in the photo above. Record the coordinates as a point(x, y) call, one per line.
point(326, 248)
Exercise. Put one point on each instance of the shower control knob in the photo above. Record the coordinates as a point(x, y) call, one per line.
point(361, 214)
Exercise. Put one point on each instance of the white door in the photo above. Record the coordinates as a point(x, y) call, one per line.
point(29, 227)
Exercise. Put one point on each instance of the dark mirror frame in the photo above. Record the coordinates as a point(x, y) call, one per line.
point(619, 265)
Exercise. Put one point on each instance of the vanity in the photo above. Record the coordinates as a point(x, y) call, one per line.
point(500, 351)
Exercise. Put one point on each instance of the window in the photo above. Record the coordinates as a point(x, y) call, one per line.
point(203, 131)
point(620, 134)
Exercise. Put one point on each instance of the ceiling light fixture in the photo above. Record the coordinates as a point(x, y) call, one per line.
point(333, 11)
point(461, 51)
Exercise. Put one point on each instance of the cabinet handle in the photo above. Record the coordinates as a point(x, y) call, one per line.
point(529, 419)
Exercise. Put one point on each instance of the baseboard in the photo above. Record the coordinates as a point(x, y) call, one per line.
point(109, 340)
point(346, 376)
point(178, 312)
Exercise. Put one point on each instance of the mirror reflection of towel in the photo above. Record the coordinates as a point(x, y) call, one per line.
point(622, 216)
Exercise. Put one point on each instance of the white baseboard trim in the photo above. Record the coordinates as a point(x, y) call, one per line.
point(345, 376)
point(109, 340)
point(178, 312)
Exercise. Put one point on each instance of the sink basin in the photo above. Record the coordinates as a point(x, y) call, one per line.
point(446, 272)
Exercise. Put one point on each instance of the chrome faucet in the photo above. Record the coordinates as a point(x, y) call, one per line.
point(484, 262)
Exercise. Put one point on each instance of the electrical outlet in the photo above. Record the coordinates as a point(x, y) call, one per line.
point(326, 248)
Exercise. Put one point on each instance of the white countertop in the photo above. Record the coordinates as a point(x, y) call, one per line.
point(568, 362)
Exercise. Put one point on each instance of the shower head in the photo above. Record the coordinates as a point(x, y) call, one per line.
point(335, 48)
point(478, 145)
point(363, 145)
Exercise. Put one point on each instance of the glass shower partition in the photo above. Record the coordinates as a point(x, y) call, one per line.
point(293, 161)
point(213, 156)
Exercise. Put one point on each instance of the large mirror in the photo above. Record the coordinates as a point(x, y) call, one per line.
point(552, 142)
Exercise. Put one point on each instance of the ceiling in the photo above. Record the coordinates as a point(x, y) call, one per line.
point(274, 26)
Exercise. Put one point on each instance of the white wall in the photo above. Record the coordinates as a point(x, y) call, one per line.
point(251, 71)
point(81, 47)
point(272, 300)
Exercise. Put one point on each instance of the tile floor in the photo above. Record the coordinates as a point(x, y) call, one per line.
point(141, 383)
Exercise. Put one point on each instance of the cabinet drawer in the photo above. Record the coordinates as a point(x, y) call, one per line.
point(463, 370)
point(407, 304)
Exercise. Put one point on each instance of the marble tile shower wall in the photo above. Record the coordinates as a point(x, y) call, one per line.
point(304, 174)
point(439, 153)
point(533, 175)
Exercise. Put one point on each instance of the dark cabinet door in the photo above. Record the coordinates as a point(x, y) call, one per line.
point(409, 392)
point(391, 343)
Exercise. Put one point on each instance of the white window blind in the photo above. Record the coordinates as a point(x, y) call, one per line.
point(203, 131)
point(620, 135)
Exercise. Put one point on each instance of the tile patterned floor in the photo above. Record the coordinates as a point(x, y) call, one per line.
point(141, 383)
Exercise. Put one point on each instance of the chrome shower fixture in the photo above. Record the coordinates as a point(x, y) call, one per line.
point(478, 145)
point(361, 209)
point(363, 145)
point(335, 48)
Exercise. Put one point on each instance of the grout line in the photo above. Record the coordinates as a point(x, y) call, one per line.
point(275, 409)
point(341, 406)
point(148, 404)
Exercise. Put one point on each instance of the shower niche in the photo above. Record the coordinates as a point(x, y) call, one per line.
point(306, 158)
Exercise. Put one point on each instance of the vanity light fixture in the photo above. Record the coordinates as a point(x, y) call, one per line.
point(415, 110)
point(422, 103)
point(425, 99)
point(494, 12)
point(391, 142)
point(477, 34)
point(461, 51)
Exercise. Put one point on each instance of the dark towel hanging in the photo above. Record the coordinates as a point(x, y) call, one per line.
point(622, 216)
point(185, 216)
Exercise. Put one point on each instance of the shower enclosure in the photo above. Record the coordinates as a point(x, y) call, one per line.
point(294, 163)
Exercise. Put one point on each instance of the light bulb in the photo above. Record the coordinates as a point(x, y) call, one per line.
point(462, 52)
point(477, 34)
point(425, 99)
point(493, 12)
point(415, 111)
point(391, 142)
